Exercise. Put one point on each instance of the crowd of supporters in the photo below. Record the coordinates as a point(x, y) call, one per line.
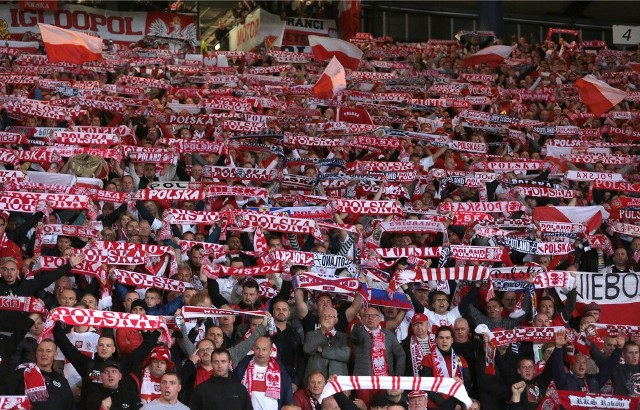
point(268, 229)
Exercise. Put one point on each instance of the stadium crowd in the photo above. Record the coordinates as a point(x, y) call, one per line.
point(274, 242)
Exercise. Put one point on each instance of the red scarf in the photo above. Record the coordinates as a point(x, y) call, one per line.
point(35, 386)
point(417, 353)
point(272, 379)
point(378, 357)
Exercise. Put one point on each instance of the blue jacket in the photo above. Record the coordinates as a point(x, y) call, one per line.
point(566, 380)
point(286, 389)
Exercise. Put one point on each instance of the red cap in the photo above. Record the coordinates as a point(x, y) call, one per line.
point(419, 318)
point(417, 393)
point(161, 353)
point(591, 306)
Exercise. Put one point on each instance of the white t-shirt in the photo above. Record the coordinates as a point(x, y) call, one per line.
point(436, 320)
point(259, 388)
point(86, 343)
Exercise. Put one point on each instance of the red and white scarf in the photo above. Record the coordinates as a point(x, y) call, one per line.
point(470, 273)
point(22, 304)
point(103, 318)
point(440, 368)
point(417, 353)
point(326, 283)
point(35, 386)
point(364, 207)
point(221, 270)
point(140, 280)
point(93, 269)
point(442, 385)
point(15, 403)
point(45, 235)
point(576, 400)
point(196, 312)
point(149, 386)
point(236, 173)
point(379, 364)
point(488, 207)
point(272, 378)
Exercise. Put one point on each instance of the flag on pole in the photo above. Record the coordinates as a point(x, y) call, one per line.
point(69, 46)
point(332, 81)
point(599, 96)
point(324, 48)
point(492, 55)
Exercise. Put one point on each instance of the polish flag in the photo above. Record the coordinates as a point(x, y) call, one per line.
point(332, 81)
point(599, 96)
point(348, 18)
point(493, 56)
point(324, 48)
point(69, 46)
point(591, 216)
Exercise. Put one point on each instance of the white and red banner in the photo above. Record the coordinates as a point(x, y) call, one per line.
point(121, 27)
point(618, 295)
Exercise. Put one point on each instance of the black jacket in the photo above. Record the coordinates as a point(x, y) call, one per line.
point(60, 395)
point(220, 393)
point(125, 397)
point(89, 369)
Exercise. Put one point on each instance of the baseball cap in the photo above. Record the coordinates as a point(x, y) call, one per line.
point(419, 318)
point(110, 363)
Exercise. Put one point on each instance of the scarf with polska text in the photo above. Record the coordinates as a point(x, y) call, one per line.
point(375, 166)
point(140, 280)
point(615, 330)
point(179, 195)
point(529, 165)
point(11, 204)
point(541, 192)
point(22, 304)
point(209, 249)
point(238, 173)
point(45, 234)
point(447, 386)
point(83, 138)
point(471, 273)
point(174, 216)
point(605, 159)
point(94, 269)
point(364, 207)
point(55, 201)
point(521, 334)
point(149, 252)
point(465, 181)
point(624, 228)
point(217, 271)
point(325, 283)
point(103, 318)
point(487, 207)
point(197, 312)
point(532, 247)
point(269, 222)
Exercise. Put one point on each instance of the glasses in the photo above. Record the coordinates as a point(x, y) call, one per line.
point(207, 349)
point(330, 317)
